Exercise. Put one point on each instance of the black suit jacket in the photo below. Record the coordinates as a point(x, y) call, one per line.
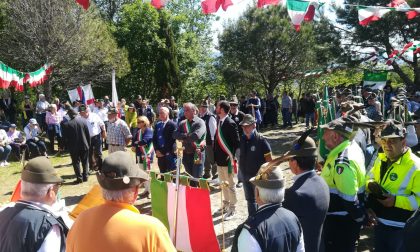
point(168, 130)
point(308, 198)
point(230, 133)
point(76, 135)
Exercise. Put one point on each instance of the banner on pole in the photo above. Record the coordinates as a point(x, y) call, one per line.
point(83, 94)
point(375, 79)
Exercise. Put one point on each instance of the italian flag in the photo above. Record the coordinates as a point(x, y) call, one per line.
point(39, 76)
point(158, 4)
point(194, 228)
point(84, 3)
point(10, 77)
point(375, 80)
point(368, 14)
point(301, 10)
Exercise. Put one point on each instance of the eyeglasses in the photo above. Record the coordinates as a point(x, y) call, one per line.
point(234, 105)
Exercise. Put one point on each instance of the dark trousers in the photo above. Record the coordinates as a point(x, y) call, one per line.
point(167, 163)
point(52, 134)
point(17, 149)
point(76, 158)
point(287, 117)
point(389, 239)
point(37, 148)
point(40, 118)
point(106, 129)
point(340, 233)
point(210, 167)
point(195, 170)
point(95, 153)
point(250, 196)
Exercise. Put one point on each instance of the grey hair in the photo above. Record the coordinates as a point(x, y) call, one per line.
point(165, 109)
point(271, 195)
point(189, 105)
point(33, 190)
point(123, 196)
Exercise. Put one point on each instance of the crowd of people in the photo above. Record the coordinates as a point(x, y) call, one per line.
point(370, 176)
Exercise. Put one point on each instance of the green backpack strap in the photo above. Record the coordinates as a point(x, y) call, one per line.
point(152, 175)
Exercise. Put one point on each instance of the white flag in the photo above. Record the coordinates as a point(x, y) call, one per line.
point(114, 89)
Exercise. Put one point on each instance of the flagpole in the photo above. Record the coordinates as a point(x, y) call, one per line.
point(178, 170)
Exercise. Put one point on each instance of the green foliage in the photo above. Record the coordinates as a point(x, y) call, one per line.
point(391, 32)
point(262, 49)
point(78, 43)
point(167, 74)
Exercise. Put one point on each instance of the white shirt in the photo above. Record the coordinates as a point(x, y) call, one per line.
point(41, 106)
point(94, 124)
point(212, 127)
point(31, 133)
point(247, 242)
point(102, 113)
point(3, 137)
point(221, 120)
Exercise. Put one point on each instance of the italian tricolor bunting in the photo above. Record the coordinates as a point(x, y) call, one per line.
point(10, 77)
point(38, 77)
point(194, 229)
point(368, 14)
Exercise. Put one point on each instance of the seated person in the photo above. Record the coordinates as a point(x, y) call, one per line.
point(36, 146)
point(5, 148)
point(16, 140)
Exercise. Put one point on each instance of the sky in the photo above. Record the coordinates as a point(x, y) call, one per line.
point(239, 6)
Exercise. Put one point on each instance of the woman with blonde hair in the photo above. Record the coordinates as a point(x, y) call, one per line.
point(143, 147)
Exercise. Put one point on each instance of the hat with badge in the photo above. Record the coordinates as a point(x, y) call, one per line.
point(233, 100)
point(305, 146)
point(82, 108)
point(204, 104)
point(119, 172)
point(393, 129)
point(39, 170)
point(343, 126)
point(270, 176)
point(112, 110)
point(248, 120)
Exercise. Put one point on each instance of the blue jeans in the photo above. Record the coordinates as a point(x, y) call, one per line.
point(5, 152)
point(310, 116)
point(287, 117)
point(388, 238)
point(195, 170)
point(250, 197)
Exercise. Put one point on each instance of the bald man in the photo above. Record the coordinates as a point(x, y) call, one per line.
point(163, 141)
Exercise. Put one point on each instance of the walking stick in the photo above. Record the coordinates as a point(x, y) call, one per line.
point(179, 153)
point(223, 184)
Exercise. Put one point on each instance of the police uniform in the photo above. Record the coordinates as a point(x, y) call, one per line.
point(344, 173)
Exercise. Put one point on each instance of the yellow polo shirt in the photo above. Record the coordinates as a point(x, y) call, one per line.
point(115, 226)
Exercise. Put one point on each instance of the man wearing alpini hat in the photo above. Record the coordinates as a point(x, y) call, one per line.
point(273, 227)
point(117, 225)
point(308, 190)
point(31, 224)
point(393, 184)
point(344, 173)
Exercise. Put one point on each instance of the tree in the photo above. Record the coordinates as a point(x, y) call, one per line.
point(137, 32)
point(262, 48)
point(167, 70)
point(77, 42)
point(111, 9)
point(391, 32)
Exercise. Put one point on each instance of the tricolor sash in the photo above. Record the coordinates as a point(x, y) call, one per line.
point(226, 149)
point(196, 144)
point(146, 150)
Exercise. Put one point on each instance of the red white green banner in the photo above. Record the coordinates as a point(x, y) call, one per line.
point(301, 10)
point(10, 77)
point(194, 223)
point(39, 76)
